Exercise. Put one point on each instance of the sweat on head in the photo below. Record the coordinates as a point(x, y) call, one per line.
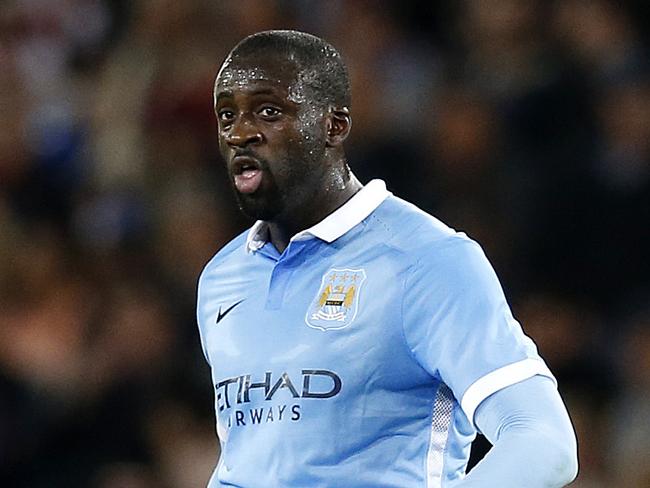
point(321, 75)
point(282, 102)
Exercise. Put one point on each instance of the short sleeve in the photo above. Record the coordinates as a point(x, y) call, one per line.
point(460, 328)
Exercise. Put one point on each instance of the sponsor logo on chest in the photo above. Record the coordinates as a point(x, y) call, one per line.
point(233, 394)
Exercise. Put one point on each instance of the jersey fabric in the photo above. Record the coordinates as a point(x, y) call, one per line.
point(358, 356)
point(525, 421)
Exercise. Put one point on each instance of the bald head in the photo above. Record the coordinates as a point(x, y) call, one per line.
point(320, 74)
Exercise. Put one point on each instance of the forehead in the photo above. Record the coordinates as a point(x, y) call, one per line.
point(243, 74)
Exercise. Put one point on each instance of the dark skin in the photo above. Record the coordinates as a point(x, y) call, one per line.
point(267, 122)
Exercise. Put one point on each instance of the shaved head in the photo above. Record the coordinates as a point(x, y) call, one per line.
point(321, 75)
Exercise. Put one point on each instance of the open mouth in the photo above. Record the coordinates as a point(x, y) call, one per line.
point(247, 174)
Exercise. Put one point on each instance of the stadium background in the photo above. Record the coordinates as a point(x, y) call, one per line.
point(525, 123)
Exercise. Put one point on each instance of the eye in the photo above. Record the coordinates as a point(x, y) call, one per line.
point(269, 112)
point(226, 116)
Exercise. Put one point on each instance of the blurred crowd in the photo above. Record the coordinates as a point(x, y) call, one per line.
point(524, 123)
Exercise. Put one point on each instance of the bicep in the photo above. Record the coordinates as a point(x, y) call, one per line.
point(530, 404)
point(534, 442)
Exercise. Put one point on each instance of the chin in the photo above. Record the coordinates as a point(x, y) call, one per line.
point(257, 208)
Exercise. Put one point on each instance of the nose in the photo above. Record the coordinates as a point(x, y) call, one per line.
point(243, 133)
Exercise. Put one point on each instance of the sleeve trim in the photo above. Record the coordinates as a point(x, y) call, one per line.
point(499, 379)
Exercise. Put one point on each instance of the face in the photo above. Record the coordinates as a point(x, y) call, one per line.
point(271, 136)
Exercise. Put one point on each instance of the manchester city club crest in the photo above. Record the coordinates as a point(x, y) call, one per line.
point(337, 301)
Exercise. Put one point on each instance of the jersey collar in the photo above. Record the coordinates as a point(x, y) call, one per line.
point(336, 224)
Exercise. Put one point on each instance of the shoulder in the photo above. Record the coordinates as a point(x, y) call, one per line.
point(438, 257)
point(418, 234)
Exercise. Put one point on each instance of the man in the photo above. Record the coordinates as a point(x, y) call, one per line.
point(355, 341)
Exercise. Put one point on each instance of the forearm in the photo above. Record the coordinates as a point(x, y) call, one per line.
point(523, 460)
point(533, 442)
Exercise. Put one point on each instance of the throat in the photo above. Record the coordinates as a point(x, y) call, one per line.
point(308, 214)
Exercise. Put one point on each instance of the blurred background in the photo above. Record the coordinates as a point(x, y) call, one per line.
point(525, 123)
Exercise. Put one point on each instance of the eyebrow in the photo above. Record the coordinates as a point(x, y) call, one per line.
point(222, 94)
point(229, 94)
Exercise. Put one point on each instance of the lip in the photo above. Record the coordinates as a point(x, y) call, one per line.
point(243, 163)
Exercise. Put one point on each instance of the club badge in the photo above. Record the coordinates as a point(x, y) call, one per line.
point(336, 303)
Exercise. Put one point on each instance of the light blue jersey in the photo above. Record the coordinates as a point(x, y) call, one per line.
point(358, 356)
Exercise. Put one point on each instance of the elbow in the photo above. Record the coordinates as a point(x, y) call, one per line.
point(564, 467)
point(556, 457)
point(572, 467)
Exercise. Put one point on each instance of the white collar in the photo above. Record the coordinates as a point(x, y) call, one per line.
point(336, 224)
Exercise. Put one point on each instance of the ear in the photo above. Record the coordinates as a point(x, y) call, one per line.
point(339, 123)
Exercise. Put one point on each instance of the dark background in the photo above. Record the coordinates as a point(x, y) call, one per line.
point(525, 123)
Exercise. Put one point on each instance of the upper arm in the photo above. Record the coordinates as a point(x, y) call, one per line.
point(534, 442)
point(532, 404)
point(460, 328)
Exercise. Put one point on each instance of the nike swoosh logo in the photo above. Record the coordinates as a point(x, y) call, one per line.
point(221, 315)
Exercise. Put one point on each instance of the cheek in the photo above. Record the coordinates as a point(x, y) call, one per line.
point(223, 152)
point(282, 142)
point(221, 140)
point(310, 120)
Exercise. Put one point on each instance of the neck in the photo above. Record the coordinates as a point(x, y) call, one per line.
point(330, 198)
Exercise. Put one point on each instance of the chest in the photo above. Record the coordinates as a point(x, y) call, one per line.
point(278, 322)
